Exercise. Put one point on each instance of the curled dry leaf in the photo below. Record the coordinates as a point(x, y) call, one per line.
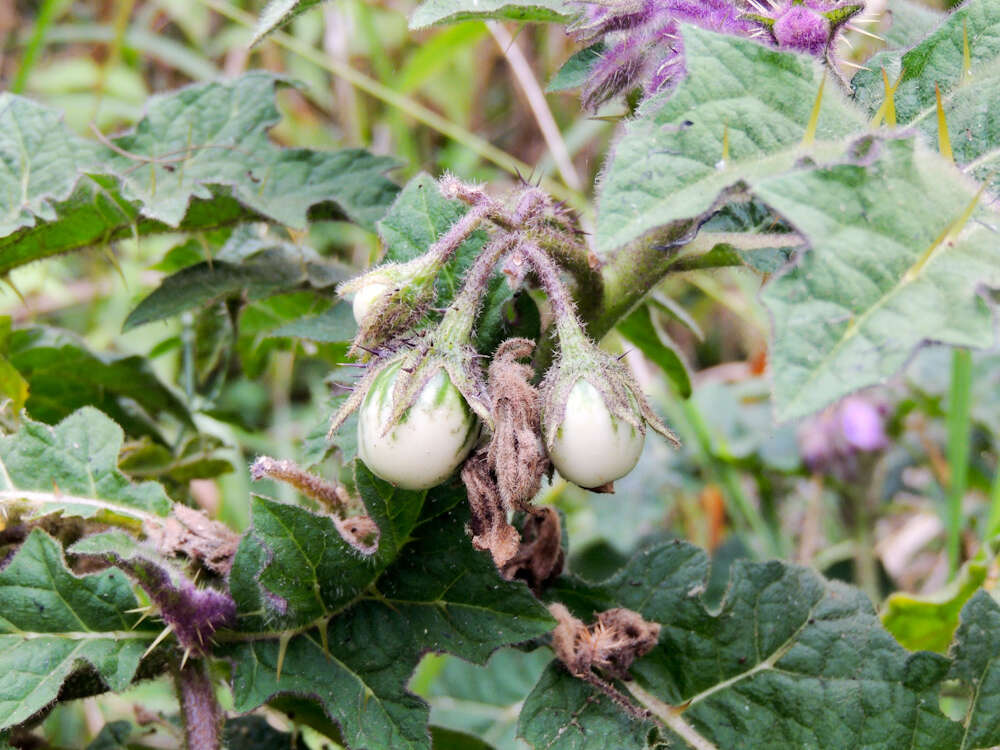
point(191, 533)
point(516, 454)
point(540, 556)
point(488, 525)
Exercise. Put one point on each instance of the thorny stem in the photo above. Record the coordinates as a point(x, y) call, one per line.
point(201, 713)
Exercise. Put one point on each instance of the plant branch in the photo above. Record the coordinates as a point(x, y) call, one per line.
point(536, 101)
point(200, 711)
point(637, 268)
point(393, 98)
point(670, 716)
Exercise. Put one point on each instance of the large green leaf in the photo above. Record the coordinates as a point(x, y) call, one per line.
point(974, 663)
point(72, 468)
point(968, 99)
point(53, 623)
point(277, 13)
point(439, 595)
point(295, 567)
point(43, 161)
point(788, 660)
point(881, 277)
point(277, 268)
point(63, 376)
point(668, 167)
point(200, 158)
point(432, 12)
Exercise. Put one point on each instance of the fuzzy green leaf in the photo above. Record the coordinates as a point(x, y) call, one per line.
point(418, 218)
point(574, 72)
point(72, 468)
point(974, 664)
point(434, 12)
point(334, 325)
point(200, 158)
point(788, 660)
point(53, 623)
point(270, 271)
point(967, 99)
point(881, 277)
point(929, 622)
point(667, 169)
point(295, 567)
point(439, 595)
point(64, 376)
point(277, 13)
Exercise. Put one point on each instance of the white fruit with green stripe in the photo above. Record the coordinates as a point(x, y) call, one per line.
point(591, 447)
point(429, 442)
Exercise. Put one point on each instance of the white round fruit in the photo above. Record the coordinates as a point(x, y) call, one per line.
point(429, 442)
point(592, 447)
point(364, 299)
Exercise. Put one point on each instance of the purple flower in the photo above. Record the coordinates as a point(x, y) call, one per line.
point(832, 441)
point(643, 48)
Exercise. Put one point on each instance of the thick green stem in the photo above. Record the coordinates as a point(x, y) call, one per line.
point(637, 268)
point(958, 451)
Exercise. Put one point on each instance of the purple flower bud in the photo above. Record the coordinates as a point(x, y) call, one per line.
point(831, 442)
point(802, 29)
point(862, 424)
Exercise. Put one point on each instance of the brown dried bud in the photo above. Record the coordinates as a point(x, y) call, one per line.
point(612, 644)
point(540, 557)
point(489, 527)
point(516, 454)
point(190, 532)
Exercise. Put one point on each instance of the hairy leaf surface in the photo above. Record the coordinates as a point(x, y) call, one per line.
point(887, 271)
point(72, 468)
point(439, 595)
point(969, 96)
point(788, 661)
point(54, 622)
point(669, 165)
point(200, 158)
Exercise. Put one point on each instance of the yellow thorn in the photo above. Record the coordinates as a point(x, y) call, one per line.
point(887, 111)
point(323, 625)
point(944, 142)
point(950, 233)
point(810, 134)
point(15, 290)
point(158, 641)
point(187, 653)
point(114, 262)
point(966, 54)
point(283, 640)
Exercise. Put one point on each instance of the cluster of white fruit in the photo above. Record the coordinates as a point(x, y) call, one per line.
point(421, 412)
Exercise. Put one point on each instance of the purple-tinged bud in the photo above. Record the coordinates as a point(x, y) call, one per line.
point(832, 441)
point(863, 424)
point(803, 30)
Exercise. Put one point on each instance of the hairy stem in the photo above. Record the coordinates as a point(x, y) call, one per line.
point(200, 711)
point(637, 268)
point(670, 716)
